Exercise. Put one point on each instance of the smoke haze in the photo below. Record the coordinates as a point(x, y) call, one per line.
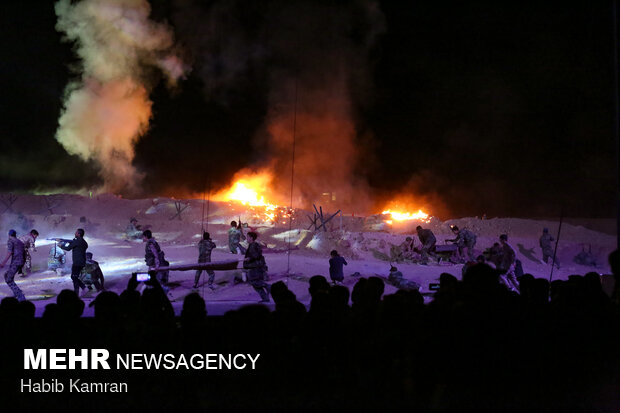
point(108, 108)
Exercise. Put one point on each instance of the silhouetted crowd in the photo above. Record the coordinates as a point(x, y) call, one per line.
point(477, 346)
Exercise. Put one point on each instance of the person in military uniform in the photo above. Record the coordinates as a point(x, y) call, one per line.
point(29, 247)
point(155, 258)
point(255, 262)
point(78, 247)
point(547, 249)
point(506, 263)
point(57, 259)
point(205, 246)
point(92, 274)
point(397, 279)
point(465, 241)
point(15, 251)
point(428, 241)
point(408, 248)
point(133, 230)
point(493, 254)
point(234, 238)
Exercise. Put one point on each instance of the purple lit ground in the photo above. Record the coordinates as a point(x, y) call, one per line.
point(107, 217)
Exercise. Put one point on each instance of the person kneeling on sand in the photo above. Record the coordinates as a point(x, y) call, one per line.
point(336, 263)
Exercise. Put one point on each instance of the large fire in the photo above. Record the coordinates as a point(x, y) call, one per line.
point(406, 216)
point(250, 190)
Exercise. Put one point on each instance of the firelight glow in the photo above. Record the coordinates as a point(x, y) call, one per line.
point(246, 195)
point(249, 190)
point(406, 216)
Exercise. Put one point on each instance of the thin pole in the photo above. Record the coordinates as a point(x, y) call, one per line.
point(555, 250)
point(202, 223)
point(208, 203)
point(290, 218)
point(616, 117)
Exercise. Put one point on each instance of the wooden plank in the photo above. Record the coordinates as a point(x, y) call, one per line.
point(215, 266)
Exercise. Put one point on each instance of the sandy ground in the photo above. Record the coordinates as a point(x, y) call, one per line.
point(105, 218)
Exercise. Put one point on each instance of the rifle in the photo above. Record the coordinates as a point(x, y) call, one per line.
point(59, 240)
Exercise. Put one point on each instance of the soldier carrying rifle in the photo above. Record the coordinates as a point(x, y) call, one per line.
point(78, 247)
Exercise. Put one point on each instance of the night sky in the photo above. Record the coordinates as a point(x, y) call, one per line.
point(503, 109)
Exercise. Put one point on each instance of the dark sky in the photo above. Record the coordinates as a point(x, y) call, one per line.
point(503, 109)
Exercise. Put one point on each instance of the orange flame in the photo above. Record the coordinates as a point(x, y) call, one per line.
point(406, 216)
point(400, 209)
point(249, 190)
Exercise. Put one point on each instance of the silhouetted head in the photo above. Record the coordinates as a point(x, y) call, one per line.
point(12, 233)
point(447, 280)
point(27, 309)
point(252, 236)
point(79, 233)
point(107, 306)
point(233, 224)
point(418, 228)
point(89, 255)
point(206, 235)
point(592, 281)
point(318, 284)
point(481, 278)
point(9, 305)
point(614, 262)
point(545, 230)
point(194, 308)
point(334, 253)
point(375, 288)
point(408, 239)
point(34, 233)
point(147, 234)
point(69, 304)
point(358, 290)
point(278, 291)
point(503, 238)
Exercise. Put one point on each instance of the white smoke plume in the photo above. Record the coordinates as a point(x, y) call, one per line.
point(107, 109)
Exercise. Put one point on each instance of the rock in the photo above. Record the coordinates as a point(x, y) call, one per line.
point(343, 243)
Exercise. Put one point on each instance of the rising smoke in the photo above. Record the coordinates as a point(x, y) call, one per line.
point(314, 98)
point(107, 108)
point(314, 58)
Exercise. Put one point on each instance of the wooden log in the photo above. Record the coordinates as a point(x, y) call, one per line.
point(215, 266)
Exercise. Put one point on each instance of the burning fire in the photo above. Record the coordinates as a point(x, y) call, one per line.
point(406, 216)
point(248, 190)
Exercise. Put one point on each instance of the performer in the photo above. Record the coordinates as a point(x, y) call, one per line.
point(29, 247)
point(234, 238)
point(205, 246)
point(57, 259)
point(255, 262)
point(155, 258)
point(92, 274)
point(336, 263)
point(15, 251)
point(78, 247)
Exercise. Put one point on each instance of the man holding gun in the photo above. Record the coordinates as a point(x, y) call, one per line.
point(78, 247)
